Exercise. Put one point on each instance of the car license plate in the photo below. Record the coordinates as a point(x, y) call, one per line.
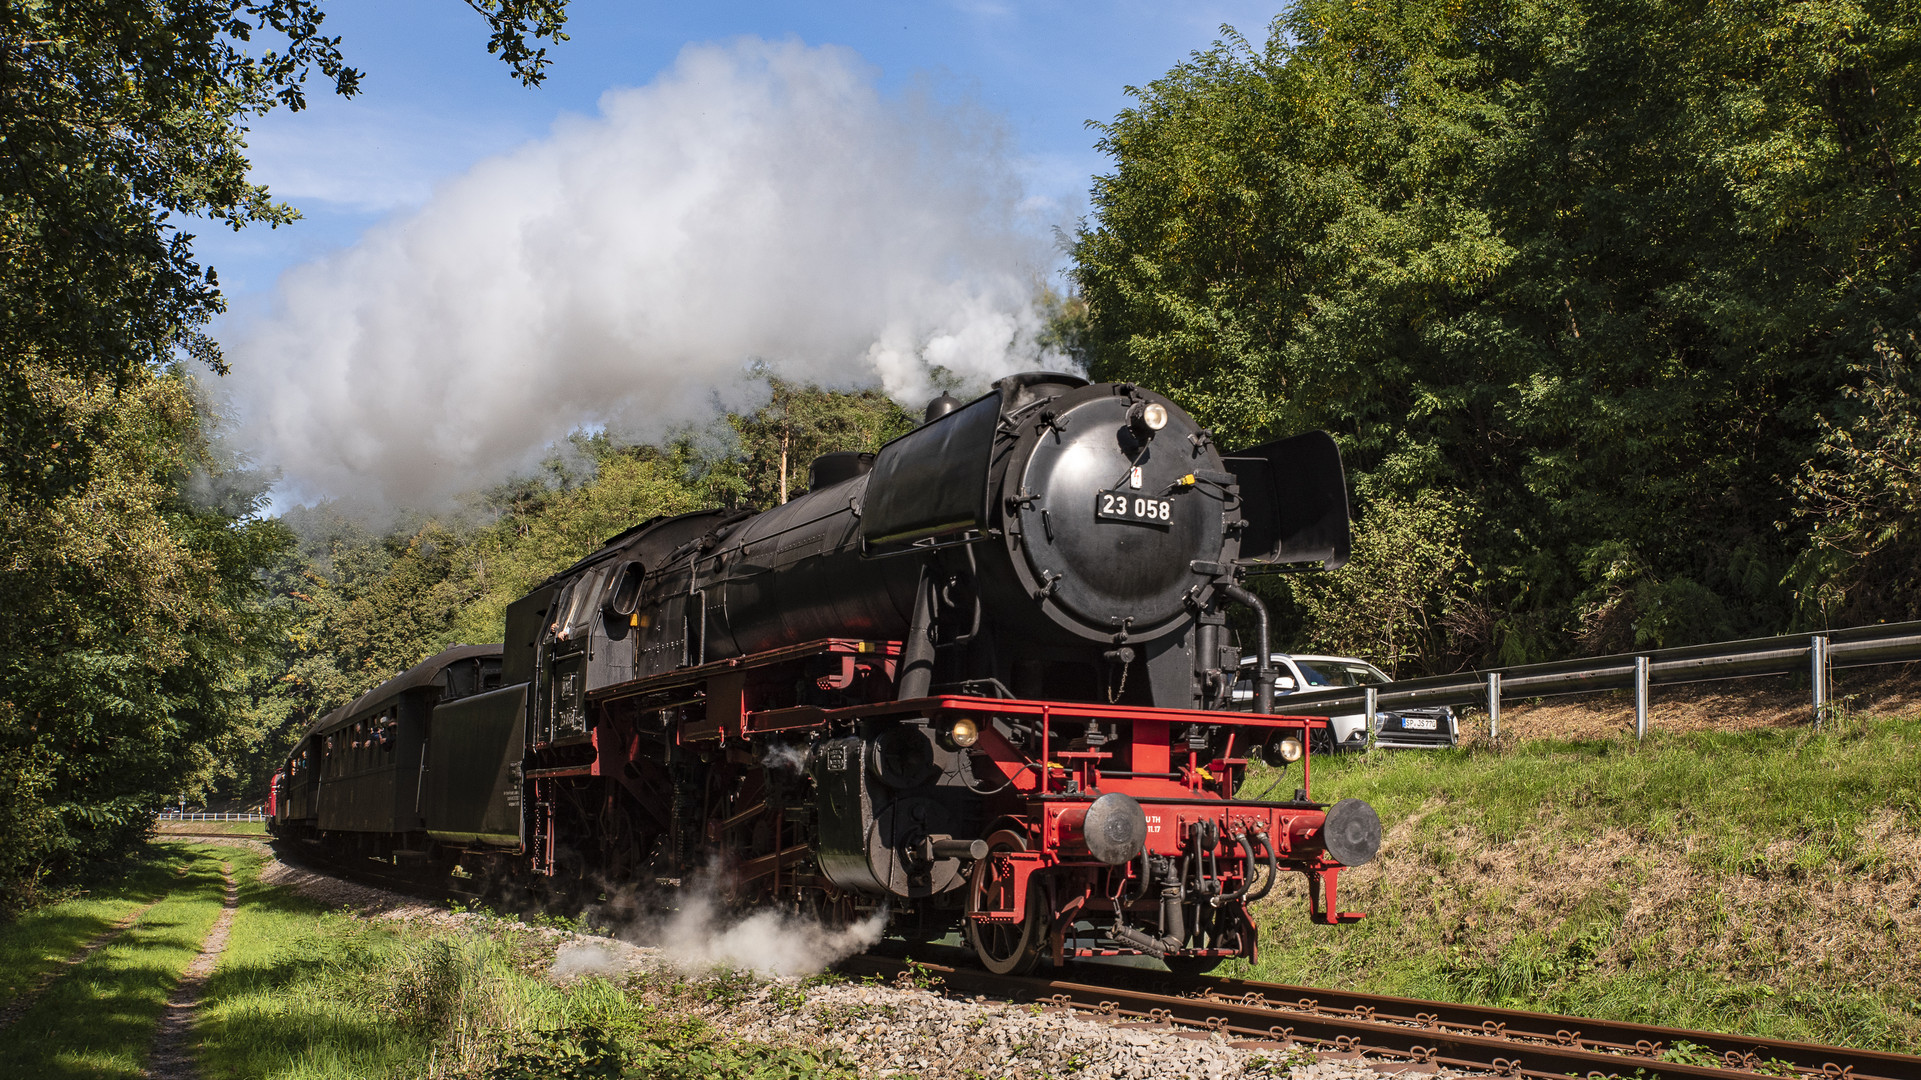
point(1133, 506)
point(1418, 723)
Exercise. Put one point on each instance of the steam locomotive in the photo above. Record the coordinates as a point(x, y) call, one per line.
point(979, 679)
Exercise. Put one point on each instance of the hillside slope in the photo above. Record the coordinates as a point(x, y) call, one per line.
point(1736, 872)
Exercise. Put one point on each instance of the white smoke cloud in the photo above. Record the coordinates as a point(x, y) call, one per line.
point(576, 959)
point(700, 938)
point(759, 202)
point(701, 934)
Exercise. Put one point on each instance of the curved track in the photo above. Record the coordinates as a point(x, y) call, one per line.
point(1508, 1042)
point(1504, 1041)
point(364, 871)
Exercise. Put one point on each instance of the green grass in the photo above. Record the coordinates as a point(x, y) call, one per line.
point(1766, 882)
point(302, 993)
point(1763, 784)
point(98, 1019)
point(229, 828)
point(41, 939)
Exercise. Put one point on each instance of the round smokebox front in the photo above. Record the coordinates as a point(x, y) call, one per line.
point(1110, 534)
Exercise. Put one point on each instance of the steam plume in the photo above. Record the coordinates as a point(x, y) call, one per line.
point(701, 935)
point(699, 938)
point(759, 202)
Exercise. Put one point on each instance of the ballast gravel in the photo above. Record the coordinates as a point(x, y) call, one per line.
point(891, 1031)
point(910, 1031)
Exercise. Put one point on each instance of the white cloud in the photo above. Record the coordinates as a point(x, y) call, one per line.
point(759, 201)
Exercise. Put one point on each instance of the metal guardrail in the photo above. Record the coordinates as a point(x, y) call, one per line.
point(204, 815)
point(1817, 654)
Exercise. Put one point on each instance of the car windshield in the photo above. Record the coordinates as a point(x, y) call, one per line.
point(1338, 673)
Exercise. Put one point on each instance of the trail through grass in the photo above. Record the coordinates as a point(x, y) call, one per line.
point(41, 940)
point(301, 992)
point(98, 1019)
point(225, 828)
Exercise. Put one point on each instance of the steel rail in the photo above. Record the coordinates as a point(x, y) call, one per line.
point(1504, 1041)
point(1507, 1041)
point(360, 870)
point(1861, 646)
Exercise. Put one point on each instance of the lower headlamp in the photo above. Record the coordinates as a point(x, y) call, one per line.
point(963, 733)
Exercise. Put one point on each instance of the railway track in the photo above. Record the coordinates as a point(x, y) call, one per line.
point(362, 871)
point(1389, 1030)
point(1401, 1031)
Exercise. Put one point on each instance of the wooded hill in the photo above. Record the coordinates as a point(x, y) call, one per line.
point(1612, 305)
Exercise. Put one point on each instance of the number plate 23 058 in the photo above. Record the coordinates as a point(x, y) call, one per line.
point(1133, 506)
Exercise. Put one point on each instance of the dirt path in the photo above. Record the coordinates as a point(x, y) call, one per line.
point(18, 1006)
point(172, 1057)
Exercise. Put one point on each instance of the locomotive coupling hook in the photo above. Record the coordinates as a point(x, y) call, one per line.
point(1173, 921)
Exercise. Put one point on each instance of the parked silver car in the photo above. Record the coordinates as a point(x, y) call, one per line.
point(1401, 729)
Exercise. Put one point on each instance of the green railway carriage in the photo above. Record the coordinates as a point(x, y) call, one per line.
point(366, 767)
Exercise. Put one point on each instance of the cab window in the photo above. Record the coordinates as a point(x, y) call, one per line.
point(580, 609)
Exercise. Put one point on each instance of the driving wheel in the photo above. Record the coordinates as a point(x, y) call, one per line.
point(1004, 948)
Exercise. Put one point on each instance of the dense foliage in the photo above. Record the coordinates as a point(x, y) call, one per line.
point(1862, 491)
point(798, 424)
point(130, 553)
point(1607, 271)
point(1405, 599)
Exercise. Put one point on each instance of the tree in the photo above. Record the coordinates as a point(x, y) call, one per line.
point(798, 424)
point(131, 609)
point(1406, 599)
point(1862, 492)
point(135, 606)
point(1601, 266)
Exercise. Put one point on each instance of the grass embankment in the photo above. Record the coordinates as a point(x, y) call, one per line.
point(1765, 882)
point(223, 828)
point(98, 1019)
point(303, 993)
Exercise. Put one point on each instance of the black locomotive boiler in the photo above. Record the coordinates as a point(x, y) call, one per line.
point(979, 679)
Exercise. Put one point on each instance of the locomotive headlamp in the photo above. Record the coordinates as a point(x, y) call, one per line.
point(1289, 749)
point(963, 734)
point(1146, 417)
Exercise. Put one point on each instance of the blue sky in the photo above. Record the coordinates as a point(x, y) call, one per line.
point(856, 194)
point(434, 102)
